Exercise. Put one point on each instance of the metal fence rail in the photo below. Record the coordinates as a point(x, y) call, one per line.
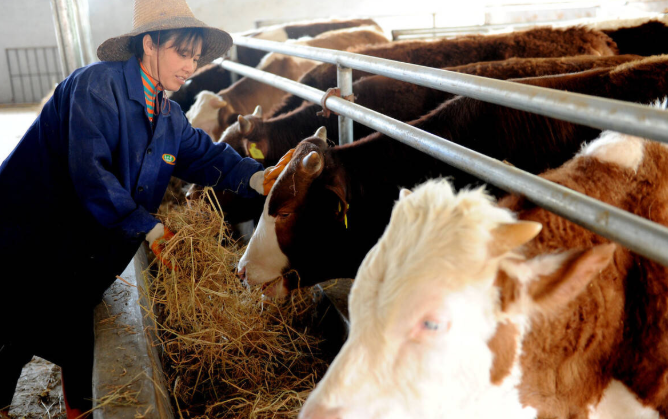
point(636, 233)
point(33, 72)
point(596, 112)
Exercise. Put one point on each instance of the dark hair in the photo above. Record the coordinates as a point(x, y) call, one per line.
point(185, 40)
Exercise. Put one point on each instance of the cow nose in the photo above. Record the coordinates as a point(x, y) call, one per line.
point(321, 412)
point(241, 273)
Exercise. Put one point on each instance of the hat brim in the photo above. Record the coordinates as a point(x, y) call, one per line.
point(217, 41)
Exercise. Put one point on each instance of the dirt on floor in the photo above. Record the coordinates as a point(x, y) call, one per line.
point(38, 393)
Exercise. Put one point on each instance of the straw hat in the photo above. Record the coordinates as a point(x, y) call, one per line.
point(153, 15)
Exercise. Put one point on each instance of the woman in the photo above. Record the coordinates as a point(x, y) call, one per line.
point(80, 188)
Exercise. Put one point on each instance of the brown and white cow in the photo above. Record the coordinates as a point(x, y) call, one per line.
point(323, 223)
point(463, 311)
point(539, 42)
point(214, 77)
point(267, 140)
point(244, 95)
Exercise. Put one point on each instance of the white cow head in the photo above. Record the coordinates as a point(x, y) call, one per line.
point(204, 112)
point(438, 311)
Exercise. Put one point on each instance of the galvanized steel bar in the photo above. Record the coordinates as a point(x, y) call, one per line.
point(344, 81)
point(591, 111)
point(72, 33)
point(636, 233)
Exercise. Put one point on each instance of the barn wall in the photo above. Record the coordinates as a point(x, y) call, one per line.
point(25, 23)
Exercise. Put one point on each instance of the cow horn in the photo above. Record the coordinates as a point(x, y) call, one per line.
point(258, 111)
point(312, 162)
point(509, 236)
point(321, 133)
point(404, 193)
point(244, 124)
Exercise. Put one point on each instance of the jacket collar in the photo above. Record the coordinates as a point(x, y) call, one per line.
point(133, 81)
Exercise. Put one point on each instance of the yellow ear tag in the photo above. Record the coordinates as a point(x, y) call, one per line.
point(255, 152)
point(345, 217)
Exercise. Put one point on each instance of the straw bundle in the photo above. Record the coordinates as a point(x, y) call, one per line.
point(228, 352)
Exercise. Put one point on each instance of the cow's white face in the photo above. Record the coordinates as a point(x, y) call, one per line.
point(264, 261)
point(432, 335)
point(203, 113)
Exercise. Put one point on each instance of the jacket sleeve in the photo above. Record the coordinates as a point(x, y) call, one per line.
point(93, 126)
point(206, 163)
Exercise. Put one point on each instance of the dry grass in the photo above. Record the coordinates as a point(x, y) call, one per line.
point(228, 352)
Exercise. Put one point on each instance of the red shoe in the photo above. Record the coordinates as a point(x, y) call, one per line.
point(74, 413)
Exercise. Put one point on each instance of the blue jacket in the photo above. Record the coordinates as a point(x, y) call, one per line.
point(90, 170)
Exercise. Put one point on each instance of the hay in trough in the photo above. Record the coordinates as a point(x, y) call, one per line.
point(228, 352)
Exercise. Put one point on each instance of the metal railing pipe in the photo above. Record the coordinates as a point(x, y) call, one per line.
point(636, 233)
point(629, 118)
point(344, 80)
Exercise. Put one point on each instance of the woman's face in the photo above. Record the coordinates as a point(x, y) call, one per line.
point(174, 67)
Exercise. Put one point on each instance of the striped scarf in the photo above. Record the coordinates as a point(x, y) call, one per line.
point(150, 91)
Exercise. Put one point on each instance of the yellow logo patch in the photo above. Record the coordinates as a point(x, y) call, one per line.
point(255, 152)
point(169, 159)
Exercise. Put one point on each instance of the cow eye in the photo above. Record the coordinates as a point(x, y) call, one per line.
point(430, 325)
point(283, 214)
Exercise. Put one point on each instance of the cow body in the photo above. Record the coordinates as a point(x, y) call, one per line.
point(359, 181)
point(244, 95)
point(397, 99)
point(295, 30)
point(215, 78)
point(637, 36)
point(461, 310)
point(540, 42)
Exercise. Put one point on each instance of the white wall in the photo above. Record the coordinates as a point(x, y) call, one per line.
point(25, 23)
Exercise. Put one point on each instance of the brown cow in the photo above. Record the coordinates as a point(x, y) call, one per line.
point(637, 36)
point(540, 42)
point(268, 140)
point(463, 311)
point(214, 78)
point(347, 202)
point(295, 30)
point(215, 115)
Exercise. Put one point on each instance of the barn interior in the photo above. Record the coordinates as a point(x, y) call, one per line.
point(140, 361)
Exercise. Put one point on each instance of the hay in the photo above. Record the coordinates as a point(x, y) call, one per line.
point(228, 352)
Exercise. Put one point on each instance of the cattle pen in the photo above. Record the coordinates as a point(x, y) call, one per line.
point(636, 233)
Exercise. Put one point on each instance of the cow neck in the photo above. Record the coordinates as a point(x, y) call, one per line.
point(233, 99)
point(284, 136)
point(379, 163)
point(618, 310)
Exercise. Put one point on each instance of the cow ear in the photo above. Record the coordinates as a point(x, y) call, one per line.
point(509, 236)
point(217, 102)
point(245, 125)
point(548, 293)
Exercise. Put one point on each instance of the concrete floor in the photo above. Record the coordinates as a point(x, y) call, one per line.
point(14, 122)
